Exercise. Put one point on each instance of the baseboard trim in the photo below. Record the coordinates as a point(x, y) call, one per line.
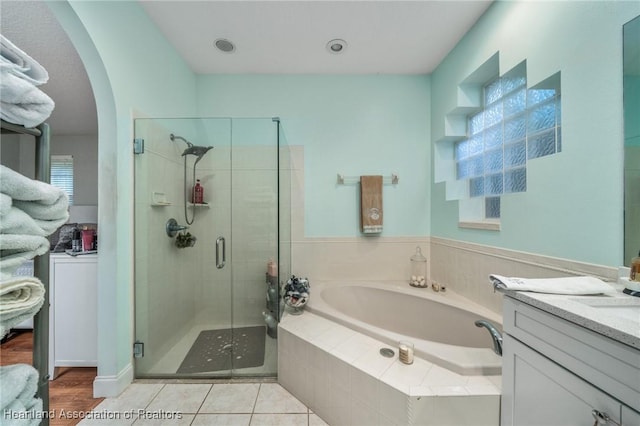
point(111, 386)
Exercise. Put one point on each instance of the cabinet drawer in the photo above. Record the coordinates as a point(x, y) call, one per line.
point(606, 363)
point(538, 392)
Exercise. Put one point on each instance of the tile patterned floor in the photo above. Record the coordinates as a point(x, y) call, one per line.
point(241, 404)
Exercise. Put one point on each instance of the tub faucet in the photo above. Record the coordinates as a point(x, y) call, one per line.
point(495, 335)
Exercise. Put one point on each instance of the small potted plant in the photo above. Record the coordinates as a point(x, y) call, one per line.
point(185, 239)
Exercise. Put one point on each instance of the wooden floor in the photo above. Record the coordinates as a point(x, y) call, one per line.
point(71, 391)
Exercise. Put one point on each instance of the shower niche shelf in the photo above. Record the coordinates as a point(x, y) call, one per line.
point(199, 205)
point(159, 199)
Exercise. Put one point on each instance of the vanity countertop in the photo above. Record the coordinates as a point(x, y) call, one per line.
point(616, 316)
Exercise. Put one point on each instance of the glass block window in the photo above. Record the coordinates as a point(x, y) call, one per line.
point(62, 174)
point(516, 124)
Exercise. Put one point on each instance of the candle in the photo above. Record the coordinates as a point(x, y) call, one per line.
point(406, 352)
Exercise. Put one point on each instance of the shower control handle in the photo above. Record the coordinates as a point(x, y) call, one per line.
point(220, 242)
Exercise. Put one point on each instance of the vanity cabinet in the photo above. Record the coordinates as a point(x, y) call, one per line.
point(557, 373)
point(73, 328)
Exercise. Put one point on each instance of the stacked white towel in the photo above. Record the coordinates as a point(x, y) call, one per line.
point(21, 102)
point(20, 299)
point(566, 285)
point(18, 404)
point(29, 211)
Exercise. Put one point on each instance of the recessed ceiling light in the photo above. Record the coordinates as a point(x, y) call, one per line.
point(336, 46)
point(225, 45)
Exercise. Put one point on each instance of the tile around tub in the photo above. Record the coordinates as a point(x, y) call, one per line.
point(186, 398)
point(332, 337)
point(444, 391)
point(222, 420)
point(393, 404)
point(273, 398)
point(482, 385)
point(402, 376)
point(231, 398)
point(354, 348)
point(308, 326)
point(373, 363)
point(439, 376)
point(279, 419)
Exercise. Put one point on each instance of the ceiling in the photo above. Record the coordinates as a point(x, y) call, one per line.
point(284, 37)
point(273, 37)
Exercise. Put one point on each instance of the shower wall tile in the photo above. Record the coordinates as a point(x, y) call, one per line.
point(255, 158)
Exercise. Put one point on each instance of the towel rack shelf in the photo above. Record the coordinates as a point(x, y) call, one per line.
point(41, 263)
point(352, 180)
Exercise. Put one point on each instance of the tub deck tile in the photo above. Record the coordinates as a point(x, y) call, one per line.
point(340, 374)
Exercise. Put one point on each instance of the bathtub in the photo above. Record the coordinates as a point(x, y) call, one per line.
point(440, 325)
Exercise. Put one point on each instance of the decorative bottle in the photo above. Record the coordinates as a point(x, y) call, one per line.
point(198, 193)
point(418, 269)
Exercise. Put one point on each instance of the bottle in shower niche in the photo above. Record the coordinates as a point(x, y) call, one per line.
point(198, 193)
point(635, 269)
point(418, 269)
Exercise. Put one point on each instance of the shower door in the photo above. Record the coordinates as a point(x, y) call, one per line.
point(199, 309)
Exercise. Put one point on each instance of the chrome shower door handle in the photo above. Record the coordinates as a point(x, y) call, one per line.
point(220, 242)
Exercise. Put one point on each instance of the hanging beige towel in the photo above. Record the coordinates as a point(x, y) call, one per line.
point(371, 204)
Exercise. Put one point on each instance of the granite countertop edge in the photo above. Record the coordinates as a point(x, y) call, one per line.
point(567, 307)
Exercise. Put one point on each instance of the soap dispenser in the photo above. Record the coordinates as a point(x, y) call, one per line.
point(418, 269)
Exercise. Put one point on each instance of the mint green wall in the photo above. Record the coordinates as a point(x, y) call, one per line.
point(354, 125)
point(133, 70)
point(573, 204)
point(632, 110)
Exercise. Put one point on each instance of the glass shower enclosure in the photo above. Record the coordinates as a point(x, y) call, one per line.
point(208, 274)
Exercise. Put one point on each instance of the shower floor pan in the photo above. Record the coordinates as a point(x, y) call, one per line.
point(225, 349)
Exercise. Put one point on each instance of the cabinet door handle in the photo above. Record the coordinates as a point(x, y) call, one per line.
point(602, 418)
point(220, 243)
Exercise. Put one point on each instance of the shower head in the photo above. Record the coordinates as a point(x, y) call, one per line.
point(198, 151)
point(174, 137)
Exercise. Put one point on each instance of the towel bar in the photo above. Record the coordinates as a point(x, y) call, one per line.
point(386, 180)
